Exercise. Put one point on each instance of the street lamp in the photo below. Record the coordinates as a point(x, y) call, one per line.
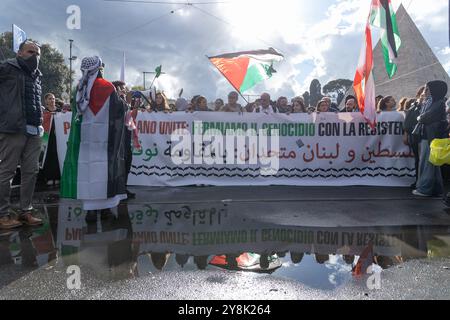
point(71, 59)
point(145, 73)
point(153, 72)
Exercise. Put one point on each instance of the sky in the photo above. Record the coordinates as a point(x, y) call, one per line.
point(319, 39)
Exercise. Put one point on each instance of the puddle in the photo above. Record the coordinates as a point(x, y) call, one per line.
point(135, 241)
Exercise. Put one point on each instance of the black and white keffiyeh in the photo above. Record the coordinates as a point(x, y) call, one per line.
point(89, 68)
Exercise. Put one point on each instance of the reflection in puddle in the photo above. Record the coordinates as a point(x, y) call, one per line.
point(134, 241)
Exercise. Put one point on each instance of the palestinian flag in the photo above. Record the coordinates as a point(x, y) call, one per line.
point(246, 69)
point(94, 169)
point(383, 16)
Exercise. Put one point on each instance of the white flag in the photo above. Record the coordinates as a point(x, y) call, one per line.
point(19, 36)
point(122, 70)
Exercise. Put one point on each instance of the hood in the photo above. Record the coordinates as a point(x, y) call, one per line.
point(438, 89)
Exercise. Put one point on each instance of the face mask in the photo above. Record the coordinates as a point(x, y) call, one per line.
point(32, 62)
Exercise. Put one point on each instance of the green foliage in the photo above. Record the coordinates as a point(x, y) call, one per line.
point(338, 88)
point(315, 92)
point(306, 98)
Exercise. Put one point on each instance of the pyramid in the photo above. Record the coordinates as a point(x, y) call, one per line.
point(417, 63)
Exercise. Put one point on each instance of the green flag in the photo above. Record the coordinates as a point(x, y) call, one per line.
point(158, 71)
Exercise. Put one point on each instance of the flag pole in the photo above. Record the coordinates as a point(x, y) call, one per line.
point(228, 80)
point(12, 38)
point(151, 85)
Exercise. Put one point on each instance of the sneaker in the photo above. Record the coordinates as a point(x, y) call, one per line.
point(6, 223)
point(419, 194)
point(28, 219)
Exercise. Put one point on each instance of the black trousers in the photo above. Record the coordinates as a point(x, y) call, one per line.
point(414, 144)
point(128, 153)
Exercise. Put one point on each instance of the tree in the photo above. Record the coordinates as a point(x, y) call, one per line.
point(338, 88)
point(306, 99)
point(315, 92)
point(5, 46)
point(55, 72)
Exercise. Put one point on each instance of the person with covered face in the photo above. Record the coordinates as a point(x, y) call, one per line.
point(94, 167)
point(20, 132)
point(432, 124)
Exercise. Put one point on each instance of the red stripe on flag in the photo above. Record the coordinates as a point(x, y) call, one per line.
point(100, 92)
point(362, 83)
point(47, 121)
point(234, 70)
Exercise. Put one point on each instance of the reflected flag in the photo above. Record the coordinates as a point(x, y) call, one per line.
point(364, 262)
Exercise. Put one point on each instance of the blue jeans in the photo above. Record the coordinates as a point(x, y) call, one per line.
point(430, 178)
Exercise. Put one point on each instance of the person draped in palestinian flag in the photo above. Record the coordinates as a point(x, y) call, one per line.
point(94, 167)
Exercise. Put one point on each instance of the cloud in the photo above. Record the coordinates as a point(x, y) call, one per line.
point(320, 39)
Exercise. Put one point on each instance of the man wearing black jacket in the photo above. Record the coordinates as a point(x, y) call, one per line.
point(20, 132)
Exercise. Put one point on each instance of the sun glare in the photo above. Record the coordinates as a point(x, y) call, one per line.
point(260, 18)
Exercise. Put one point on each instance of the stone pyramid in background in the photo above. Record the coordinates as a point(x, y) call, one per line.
point(417, 63)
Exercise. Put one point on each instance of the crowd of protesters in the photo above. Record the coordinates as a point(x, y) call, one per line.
point(426, 119)
point(264, 104)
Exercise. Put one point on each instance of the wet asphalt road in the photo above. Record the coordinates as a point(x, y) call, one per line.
point(412, 234)
point(413, 280)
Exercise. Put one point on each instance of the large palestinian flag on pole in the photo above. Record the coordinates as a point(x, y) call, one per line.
point(383, 16)
point(94, 169)
point(246, 69)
